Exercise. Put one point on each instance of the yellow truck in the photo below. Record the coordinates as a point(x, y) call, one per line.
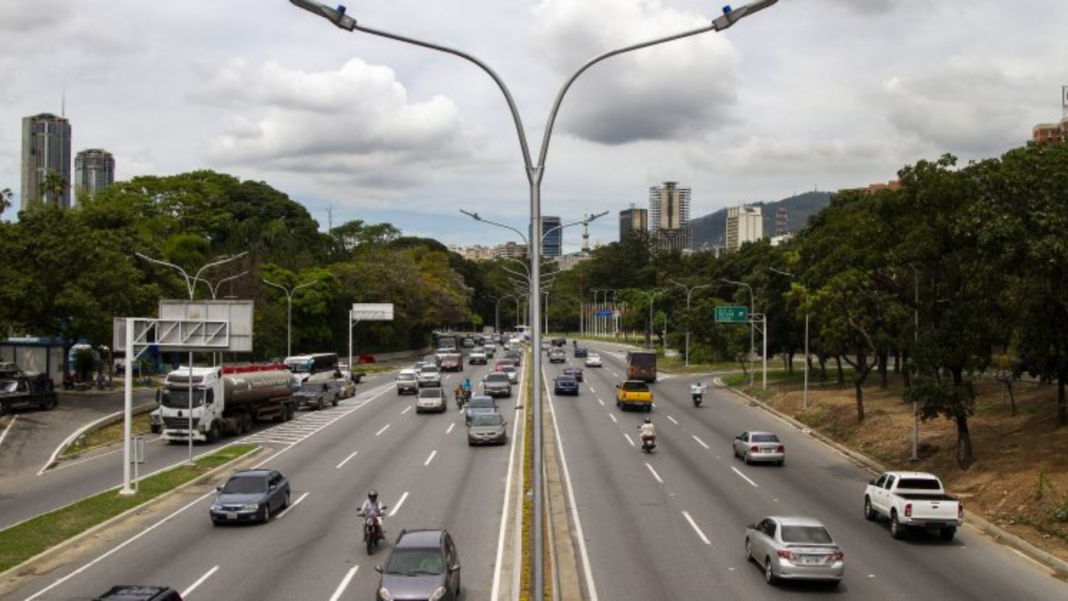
point(634, 393)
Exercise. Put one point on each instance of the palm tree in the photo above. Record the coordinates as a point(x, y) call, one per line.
point(54, 187)
point(5, 199)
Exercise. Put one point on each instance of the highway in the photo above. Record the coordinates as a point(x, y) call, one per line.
point(420, 464)
point(670, 525)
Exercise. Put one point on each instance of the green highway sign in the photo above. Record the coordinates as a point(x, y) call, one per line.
point(729, 314)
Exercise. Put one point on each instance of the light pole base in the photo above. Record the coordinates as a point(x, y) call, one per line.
point(127, 492)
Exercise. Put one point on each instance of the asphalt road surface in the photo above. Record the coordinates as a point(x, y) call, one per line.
point(420, 464)
point(670, 525)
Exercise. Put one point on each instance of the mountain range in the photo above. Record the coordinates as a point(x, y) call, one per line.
point(711, 230)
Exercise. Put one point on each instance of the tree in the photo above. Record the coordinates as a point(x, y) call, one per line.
point(54, 187)
point(5, 200)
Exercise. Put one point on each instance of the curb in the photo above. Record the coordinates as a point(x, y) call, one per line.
point(971, 519)
point(107, 420)
point(14, 571)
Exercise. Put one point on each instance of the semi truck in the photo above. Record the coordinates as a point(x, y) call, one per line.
point(225, 400)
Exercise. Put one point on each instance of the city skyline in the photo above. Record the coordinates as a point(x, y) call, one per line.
point(384, 132)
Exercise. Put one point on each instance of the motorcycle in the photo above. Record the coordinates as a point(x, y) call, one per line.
point(697, 398)
point(648, 443)
point(372, 530)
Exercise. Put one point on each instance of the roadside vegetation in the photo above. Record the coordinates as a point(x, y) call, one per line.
point(23, 541)
point(108, 434)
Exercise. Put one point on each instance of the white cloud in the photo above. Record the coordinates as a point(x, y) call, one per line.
point(681, 89)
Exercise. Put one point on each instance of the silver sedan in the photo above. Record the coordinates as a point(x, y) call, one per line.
point(794, 548)
point(762, 447)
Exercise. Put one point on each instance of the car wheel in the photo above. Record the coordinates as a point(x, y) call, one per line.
point(213, 433)
point(947, 534)
point(782, 462)
point(896, 530)
point(869, 513)
point(748, 551)
point(833, 584)
point(215, 522)
point(335, 401)
point(285, 501)
point(266, 513)
point(769, 574)
point(745, 458)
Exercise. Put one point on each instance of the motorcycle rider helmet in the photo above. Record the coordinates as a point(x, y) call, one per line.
point(648, 420)
point(373, 496)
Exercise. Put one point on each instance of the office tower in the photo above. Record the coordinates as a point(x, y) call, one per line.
point(94, 170)
point(669, 217)
point(45, 149)
point(744, 224)
point(633, 220)
point(552, 237)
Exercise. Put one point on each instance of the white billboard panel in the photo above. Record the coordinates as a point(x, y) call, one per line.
point(372, 311)
point(237, 312)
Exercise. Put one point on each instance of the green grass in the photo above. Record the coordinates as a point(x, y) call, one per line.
point(109, 434)
point(25, 540)
point(370, 368)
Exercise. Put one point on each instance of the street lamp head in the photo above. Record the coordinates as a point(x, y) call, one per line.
point(336, 16)
point(474, 216)
point(731, 16)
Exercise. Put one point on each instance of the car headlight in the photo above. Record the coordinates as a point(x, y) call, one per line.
point(383, 593)
point(438, 594)
point(250, 507)
point(216, 507)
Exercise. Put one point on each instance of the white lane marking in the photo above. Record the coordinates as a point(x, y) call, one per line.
point(344, 583)
point(672, 419)
point(7, 429)
point(629, 439)
point(397, 507)
point(193, 587)
point(701, 442)
point(586, 570)
point(655, 475)
point(613, 418)
point(429, 459)
point(346, 460)
point(693, 524)
point(601, 402)
point(451, 426)
point(182, 509)
point(744, 478)
point(593, 391)
point(383, 429)
point(291, 506)
point(406, 410)
point(504, 508)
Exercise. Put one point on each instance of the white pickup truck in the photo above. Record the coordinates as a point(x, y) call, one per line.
point(913, 500)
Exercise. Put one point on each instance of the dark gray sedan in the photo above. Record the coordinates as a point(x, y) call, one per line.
point(423, 565)
point(487, 428)
point(478, 405)
point(250, 496)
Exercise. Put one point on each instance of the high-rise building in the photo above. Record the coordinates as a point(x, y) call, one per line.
point(744, 224)
point(633, 220)
point(510, 250)
point(94, 170)
point(45, 149)
point(552, 237)
point(669, 217)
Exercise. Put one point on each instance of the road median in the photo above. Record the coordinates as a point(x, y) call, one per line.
point(25, 546)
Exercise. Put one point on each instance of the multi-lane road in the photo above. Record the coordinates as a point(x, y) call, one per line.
point(420, 464)
point(670, 525)
point(655, 526)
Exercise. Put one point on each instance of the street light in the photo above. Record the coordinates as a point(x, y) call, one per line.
point(215, 289)
point(190, 284)
point(689, 291)
point(804, 401)
point(534, 172)
point(752, 330)
point(289, 313)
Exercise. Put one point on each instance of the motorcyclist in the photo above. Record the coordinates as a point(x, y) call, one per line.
point(371, 508)
point(467, 386)
point(648, 429)
point(697, 389)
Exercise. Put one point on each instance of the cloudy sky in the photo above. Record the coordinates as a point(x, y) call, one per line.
point(809, 94)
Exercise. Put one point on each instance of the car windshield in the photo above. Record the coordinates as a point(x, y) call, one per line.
point(765, 438)
point(415, 562)
point(566, 380)
point(430, 369)
point(498, 377)
point(406, 377)
point(809, 535)
point(487, 419)
point(427, 393)
point(481, 402)
point(594, 357)
point(635, 386)
point(299, 367)
point(178, 398)
point(508, 368)
point(245, 485)
point(919, 484)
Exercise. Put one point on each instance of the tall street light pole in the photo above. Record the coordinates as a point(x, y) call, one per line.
point(190, 284)
point(689, 292)
point(289, 315)
point(804, 399)
point(534, 172)
point(916, 339)
point(752, 325)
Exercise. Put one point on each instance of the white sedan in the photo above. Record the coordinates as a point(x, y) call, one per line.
point(593, 360)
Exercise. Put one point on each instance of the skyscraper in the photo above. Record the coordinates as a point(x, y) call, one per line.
point(633, 220)
point(45, 149)
point(553, 237)
point(669, 216)
point(94, 170)
point(744, 224)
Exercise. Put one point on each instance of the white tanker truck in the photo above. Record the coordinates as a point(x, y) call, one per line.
point(225, 400)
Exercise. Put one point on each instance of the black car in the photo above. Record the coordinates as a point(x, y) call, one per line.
point(250, 496)
point(133, 592)
point(581, 351)
point(565, 385)
point(423, 565)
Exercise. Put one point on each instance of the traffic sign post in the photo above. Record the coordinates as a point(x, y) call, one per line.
point(731, 314)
